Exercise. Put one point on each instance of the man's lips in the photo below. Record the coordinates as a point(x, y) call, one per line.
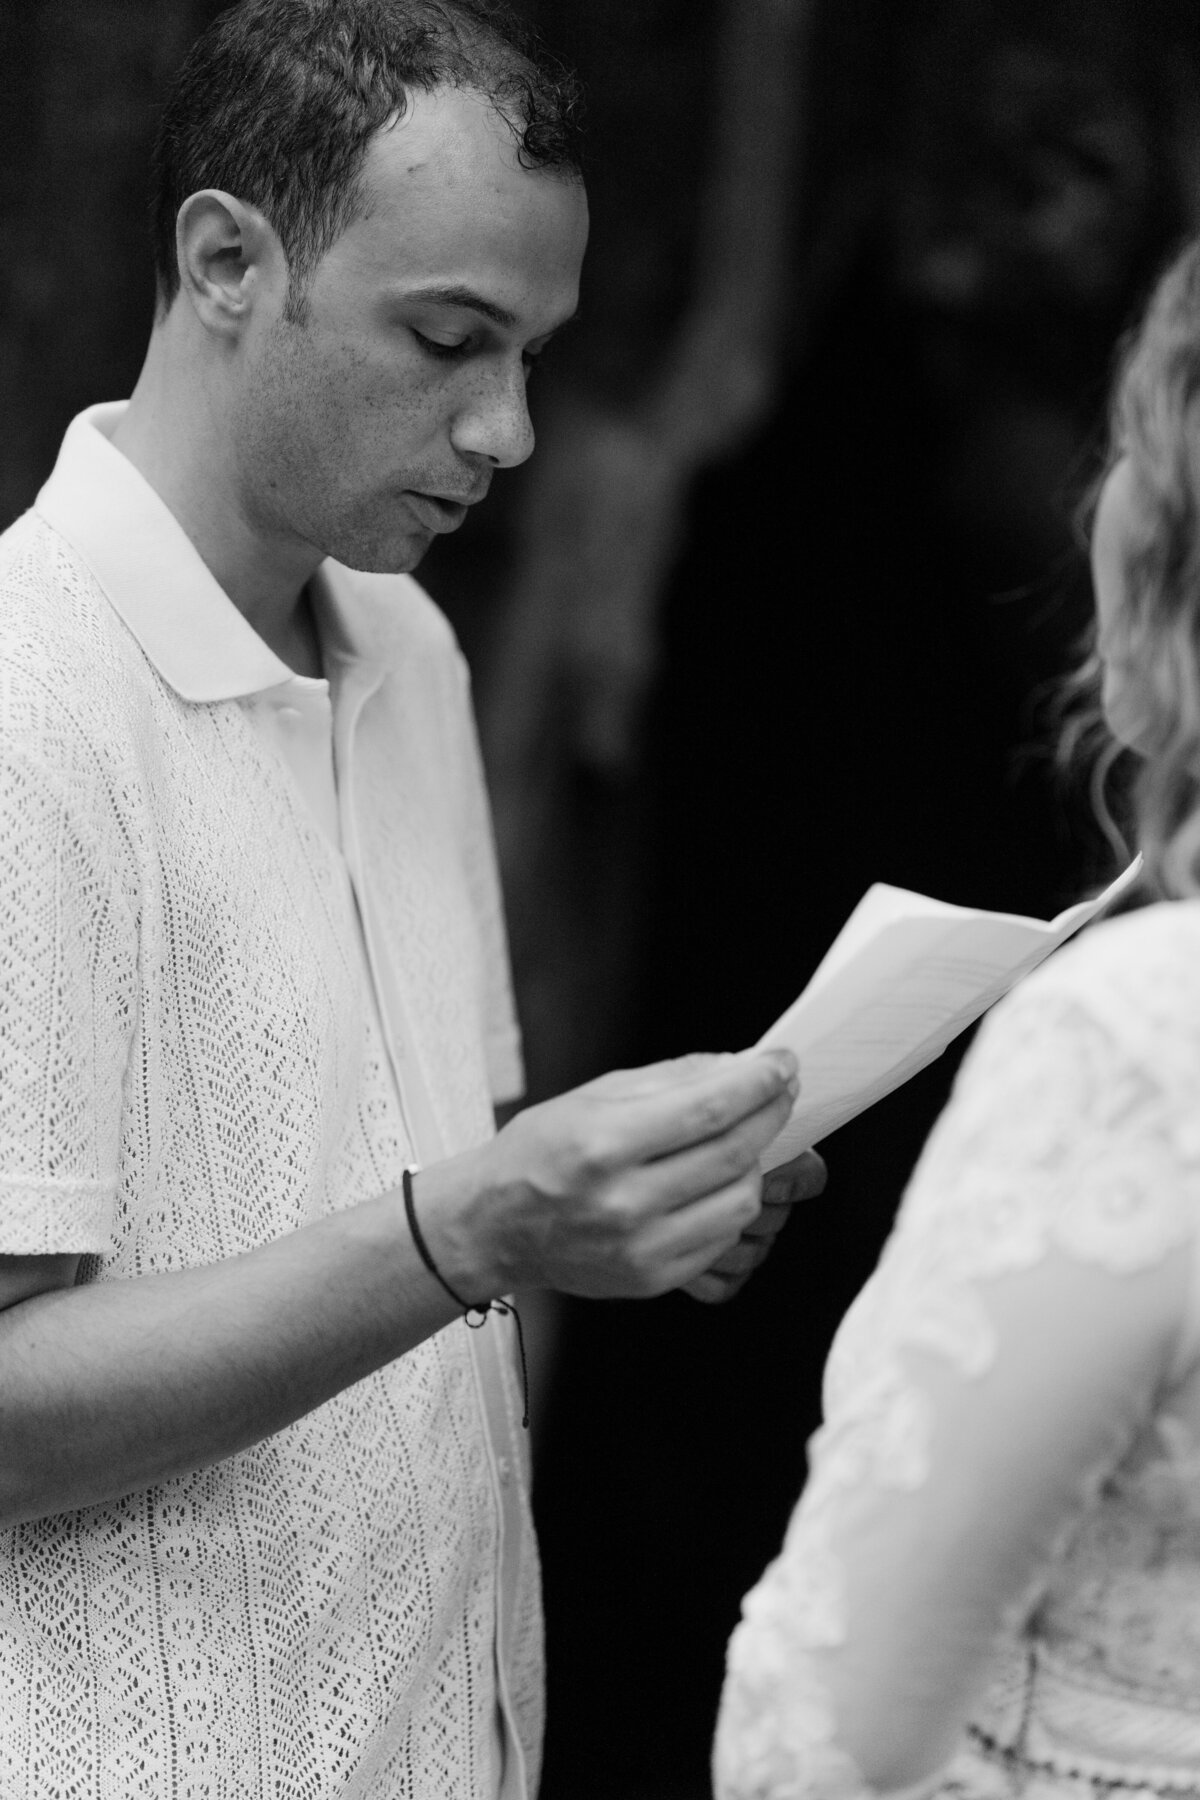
point(439, 512)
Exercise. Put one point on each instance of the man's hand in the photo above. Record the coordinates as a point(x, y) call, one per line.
point(635, 1184)
point(800, 1179)
point(629, 1186)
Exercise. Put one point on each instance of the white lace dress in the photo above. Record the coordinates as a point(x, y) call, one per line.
point(991, 1585)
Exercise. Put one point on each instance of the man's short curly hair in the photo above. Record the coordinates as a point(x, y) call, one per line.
point(277, 102)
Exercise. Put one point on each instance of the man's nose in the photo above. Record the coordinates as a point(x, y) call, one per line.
point(493, 420)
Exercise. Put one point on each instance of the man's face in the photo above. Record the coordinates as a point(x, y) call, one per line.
point(371, 425)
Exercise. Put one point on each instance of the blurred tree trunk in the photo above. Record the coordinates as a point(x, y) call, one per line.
point(602, 519)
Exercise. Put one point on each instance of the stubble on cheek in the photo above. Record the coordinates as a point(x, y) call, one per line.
point(331, 441)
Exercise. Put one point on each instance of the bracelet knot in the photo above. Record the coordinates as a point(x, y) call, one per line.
point(475, 1313)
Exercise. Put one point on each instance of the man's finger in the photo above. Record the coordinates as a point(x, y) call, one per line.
point(742, 1259)
point(704, 1167)
point(705, 1106)
point(686, 1242)
point(772, 1217)
point(711, 1289)
point(798, 1180)
point(653, 1078)
point(801, 1179)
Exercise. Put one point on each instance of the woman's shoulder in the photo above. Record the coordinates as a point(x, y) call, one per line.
point(1073, 1116)
point(1145, 934)
point(1136, 976)
point(1106, 1031)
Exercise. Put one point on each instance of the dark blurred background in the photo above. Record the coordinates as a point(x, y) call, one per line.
point(774, 613)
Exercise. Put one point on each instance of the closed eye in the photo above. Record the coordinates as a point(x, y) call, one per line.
point(464, 347)
point(443, 352)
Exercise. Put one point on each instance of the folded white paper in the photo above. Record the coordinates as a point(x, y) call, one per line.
point(902, 978)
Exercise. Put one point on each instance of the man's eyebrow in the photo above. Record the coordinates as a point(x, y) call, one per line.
point(467, 297)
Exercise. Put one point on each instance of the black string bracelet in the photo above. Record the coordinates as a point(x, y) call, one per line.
point(473, 1316)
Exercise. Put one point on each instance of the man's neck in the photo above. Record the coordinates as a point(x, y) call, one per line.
point(299, 646)
point(179, 448)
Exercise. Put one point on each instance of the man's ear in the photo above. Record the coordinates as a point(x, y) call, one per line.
point(225, 249)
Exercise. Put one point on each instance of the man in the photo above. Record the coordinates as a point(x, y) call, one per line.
point(267, 1508)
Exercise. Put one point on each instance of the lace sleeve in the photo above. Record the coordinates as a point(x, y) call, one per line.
point(989, 1375)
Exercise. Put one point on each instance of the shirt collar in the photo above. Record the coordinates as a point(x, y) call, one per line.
point(155, 578)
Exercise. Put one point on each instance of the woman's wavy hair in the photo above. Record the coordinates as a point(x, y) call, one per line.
point(1155, 423)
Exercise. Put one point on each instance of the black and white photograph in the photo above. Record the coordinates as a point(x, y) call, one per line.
point(600, 900)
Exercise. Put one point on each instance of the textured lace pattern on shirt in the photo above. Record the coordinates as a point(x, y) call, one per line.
point(188, 1068)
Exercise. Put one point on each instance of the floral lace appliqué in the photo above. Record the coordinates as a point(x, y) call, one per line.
point(1055, 1139)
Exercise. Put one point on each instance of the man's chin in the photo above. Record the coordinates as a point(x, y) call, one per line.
point(397, 555)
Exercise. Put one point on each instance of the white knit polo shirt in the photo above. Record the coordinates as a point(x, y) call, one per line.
point(196, 1056)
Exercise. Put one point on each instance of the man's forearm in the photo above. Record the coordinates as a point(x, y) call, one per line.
point(111, 1386)
point(631, 1185)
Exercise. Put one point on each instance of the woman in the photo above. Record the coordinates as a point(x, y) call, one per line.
point(991, 1585)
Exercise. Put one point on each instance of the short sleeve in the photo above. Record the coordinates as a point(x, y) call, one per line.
point(989, 1377)
point(68, 963)
point(502, 1037)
